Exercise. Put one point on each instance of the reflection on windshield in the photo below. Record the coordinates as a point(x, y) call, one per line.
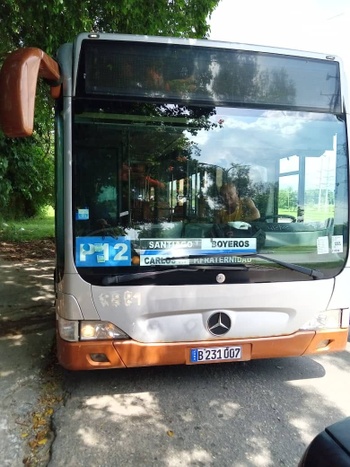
point(207, 74)
point(154, 181)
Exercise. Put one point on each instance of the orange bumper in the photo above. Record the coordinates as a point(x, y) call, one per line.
point(127, 354)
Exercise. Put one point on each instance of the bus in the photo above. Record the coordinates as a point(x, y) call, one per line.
point(148, 132)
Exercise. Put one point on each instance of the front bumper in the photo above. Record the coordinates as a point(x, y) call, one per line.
point(131, 354)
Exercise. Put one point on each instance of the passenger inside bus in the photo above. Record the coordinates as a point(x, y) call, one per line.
point(236, 208)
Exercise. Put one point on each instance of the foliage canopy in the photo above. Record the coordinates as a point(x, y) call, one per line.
point(26, 167)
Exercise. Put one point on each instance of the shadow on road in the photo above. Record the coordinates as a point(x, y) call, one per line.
point(257, 413)
point(246, 414)
point(27, 324)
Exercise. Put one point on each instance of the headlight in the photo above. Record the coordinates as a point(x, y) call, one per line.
point(101, 330)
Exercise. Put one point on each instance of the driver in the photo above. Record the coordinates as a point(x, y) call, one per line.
point(236, 208)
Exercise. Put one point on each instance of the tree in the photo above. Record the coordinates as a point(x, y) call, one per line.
point(47, 25)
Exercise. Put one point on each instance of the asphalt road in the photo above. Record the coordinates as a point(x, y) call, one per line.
point(258, 413)
point(27, 323)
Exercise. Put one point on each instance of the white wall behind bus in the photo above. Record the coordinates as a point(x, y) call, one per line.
point(311, 25)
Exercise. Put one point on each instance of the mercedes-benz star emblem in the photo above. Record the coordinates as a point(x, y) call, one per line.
point(219, 323)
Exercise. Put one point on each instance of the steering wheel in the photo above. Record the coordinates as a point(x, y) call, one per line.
point(275, 217)
point(112, 230)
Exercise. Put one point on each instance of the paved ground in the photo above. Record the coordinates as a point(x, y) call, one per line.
point(28, 386)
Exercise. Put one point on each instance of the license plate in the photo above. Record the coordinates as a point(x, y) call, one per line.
point(215, 354)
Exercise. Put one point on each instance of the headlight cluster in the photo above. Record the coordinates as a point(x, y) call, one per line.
point(74, 331)
point(92, 330)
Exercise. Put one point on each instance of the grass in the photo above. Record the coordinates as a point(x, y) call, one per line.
point(37, 228)
point(43, 226)
point(312, 213)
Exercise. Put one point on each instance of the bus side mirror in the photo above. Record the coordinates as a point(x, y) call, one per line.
point(18, 82)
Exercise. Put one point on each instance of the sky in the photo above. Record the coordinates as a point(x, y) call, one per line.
point(312, 25)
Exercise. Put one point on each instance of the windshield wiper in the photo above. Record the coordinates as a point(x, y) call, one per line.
point(109, 280)
point(120, 278)
point(117, 279)
point(314, 273)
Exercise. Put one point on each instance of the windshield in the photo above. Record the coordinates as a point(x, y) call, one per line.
point(168, 186)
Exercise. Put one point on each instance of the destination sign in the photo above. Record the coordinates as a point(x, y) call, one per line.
point(121, 251)
point(195, 247)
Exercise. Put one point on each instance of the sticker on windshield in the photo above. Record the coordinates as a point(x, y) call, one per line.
point(82, 214)
point(337, 244)
point(322, 245)
point(102, 251)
